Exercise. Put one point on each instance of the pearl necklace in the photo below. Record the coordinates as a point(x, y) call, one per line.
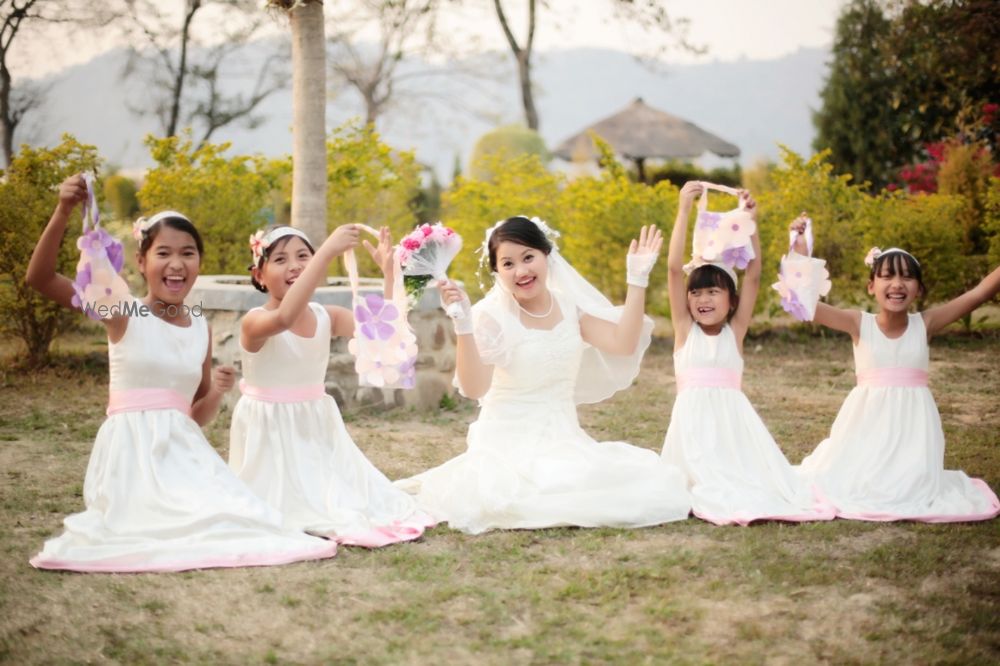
point(552, 302)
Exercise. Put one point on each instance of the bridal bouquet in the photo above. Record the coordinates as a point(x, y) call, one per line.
point(425, 254)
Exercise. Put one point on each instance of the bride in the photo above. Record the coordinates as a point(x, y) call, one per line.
point(540, 342)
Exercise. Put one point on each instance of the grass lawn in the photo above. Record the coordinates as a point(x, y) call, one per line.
point(688, 592)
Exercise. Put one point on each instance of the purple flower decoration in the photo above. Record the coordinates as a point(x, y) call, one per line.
point(407, 373)
point(793, 306)
point(736, 256)
point(709, 221)
point(373, 316)
point(116, 255)
point(98, 242)
point(80, 284)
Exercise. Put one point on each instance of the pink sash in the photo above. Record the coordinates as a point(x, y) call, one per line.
point(142, 399)
point(709, 378)
point(883, 377)
point(283, 393)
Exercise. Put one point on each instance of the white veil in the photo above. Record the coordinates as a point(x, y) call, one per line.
point(497, 329)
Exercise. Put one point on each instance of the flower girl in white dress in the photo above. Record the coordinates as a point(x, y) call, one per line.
point(158, 497)
point(735, 470)
point(540, 342)
point(288, 441)
point(884, 459)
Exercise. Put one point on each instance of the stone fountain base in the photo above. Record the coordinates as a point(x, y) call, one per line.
point(224, 299)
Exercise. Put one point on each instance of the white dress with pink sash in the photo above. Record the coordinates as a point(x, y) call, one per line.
point(736, 472)
point(884, 459)
point(158, 496)
point(288, 442)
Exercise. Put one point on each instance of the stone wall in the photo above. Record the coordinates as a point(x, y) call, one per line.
point(224, 300)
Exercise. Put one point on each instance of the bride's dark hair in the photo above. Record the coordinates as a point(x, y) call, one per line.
point(520, 230)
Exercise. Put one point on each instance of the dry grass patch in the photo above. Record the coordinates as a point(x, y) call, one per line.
point(687, 592)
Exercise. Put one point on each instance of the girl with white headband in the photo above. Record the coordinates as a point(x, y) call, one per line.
point(540, 342)
point(884, 459)
point(158, 497)
point(735, 470)
point(288, 441)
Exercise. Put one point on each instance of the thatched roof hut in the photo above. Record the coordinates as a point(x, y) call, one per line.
point(639, 132)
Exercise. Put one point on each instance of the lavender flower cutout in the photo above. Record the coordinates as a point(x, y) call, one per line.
point(709, 221)
point(374, 315)
point(793, 306)
point(737, 256)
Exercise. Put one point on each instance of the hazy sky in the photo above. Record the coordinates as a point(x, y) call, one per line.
point(731, 29)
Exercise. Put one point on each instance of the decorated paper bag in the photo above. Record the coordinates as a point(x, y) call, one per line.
point(722, 237)
point(100, 290)
point(802, 279)
point(384, 346)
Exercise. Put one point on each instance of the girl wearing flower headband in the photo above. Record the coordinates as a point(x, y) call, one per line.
point(884, 459)
point(158, 496)
point(735, 471)
point(541, 341)
point(288, 441)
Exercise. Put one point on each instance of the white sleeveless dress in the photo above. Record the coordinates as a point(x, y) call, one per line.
point(158, 496)
point(297, 455)
point(530, 465)
point(736, 473)
point(884, 459)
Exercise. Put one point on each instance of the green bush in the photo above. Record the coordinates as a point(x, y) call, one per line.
point(596, 217)
point(28, 195)
point(371, 183)
point(496, 147)
point(848, 222)
point(120, 195)
point(227, 198)
point(522, 187)
point(679, 173)
point(991, 221)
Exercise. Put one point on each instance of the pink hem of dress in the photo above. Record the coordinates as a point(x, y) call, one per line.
point(385, 535)
point(935, 518)
point(315, 553)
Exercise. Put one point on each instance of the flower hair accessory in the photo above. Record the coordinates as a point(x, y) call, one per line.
point(141, 227)
point(261, 240)
point(875, 253)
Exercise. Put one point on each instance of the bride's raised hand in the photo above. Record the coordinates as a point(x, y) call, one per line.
point(642, 254)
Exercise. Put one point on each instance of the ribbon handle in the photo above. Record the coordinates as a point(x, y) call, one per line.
point(703, 200)
point(91, 213)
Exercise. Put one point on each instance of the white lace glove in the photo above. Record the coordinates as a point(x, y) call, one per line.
point(638, 267)
point(461, 315)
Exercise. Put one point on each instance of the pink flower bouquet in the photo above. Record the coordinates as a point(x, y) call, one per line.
point(425, 254)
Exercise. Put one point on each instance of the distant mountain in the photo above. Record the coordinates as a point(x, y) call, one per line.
point(754, 104)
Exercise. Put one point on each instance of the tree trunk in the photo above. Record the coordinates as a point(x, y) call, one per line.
point(309, 121)
point(6, 117)
point(178, 91)
point(527, 96)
